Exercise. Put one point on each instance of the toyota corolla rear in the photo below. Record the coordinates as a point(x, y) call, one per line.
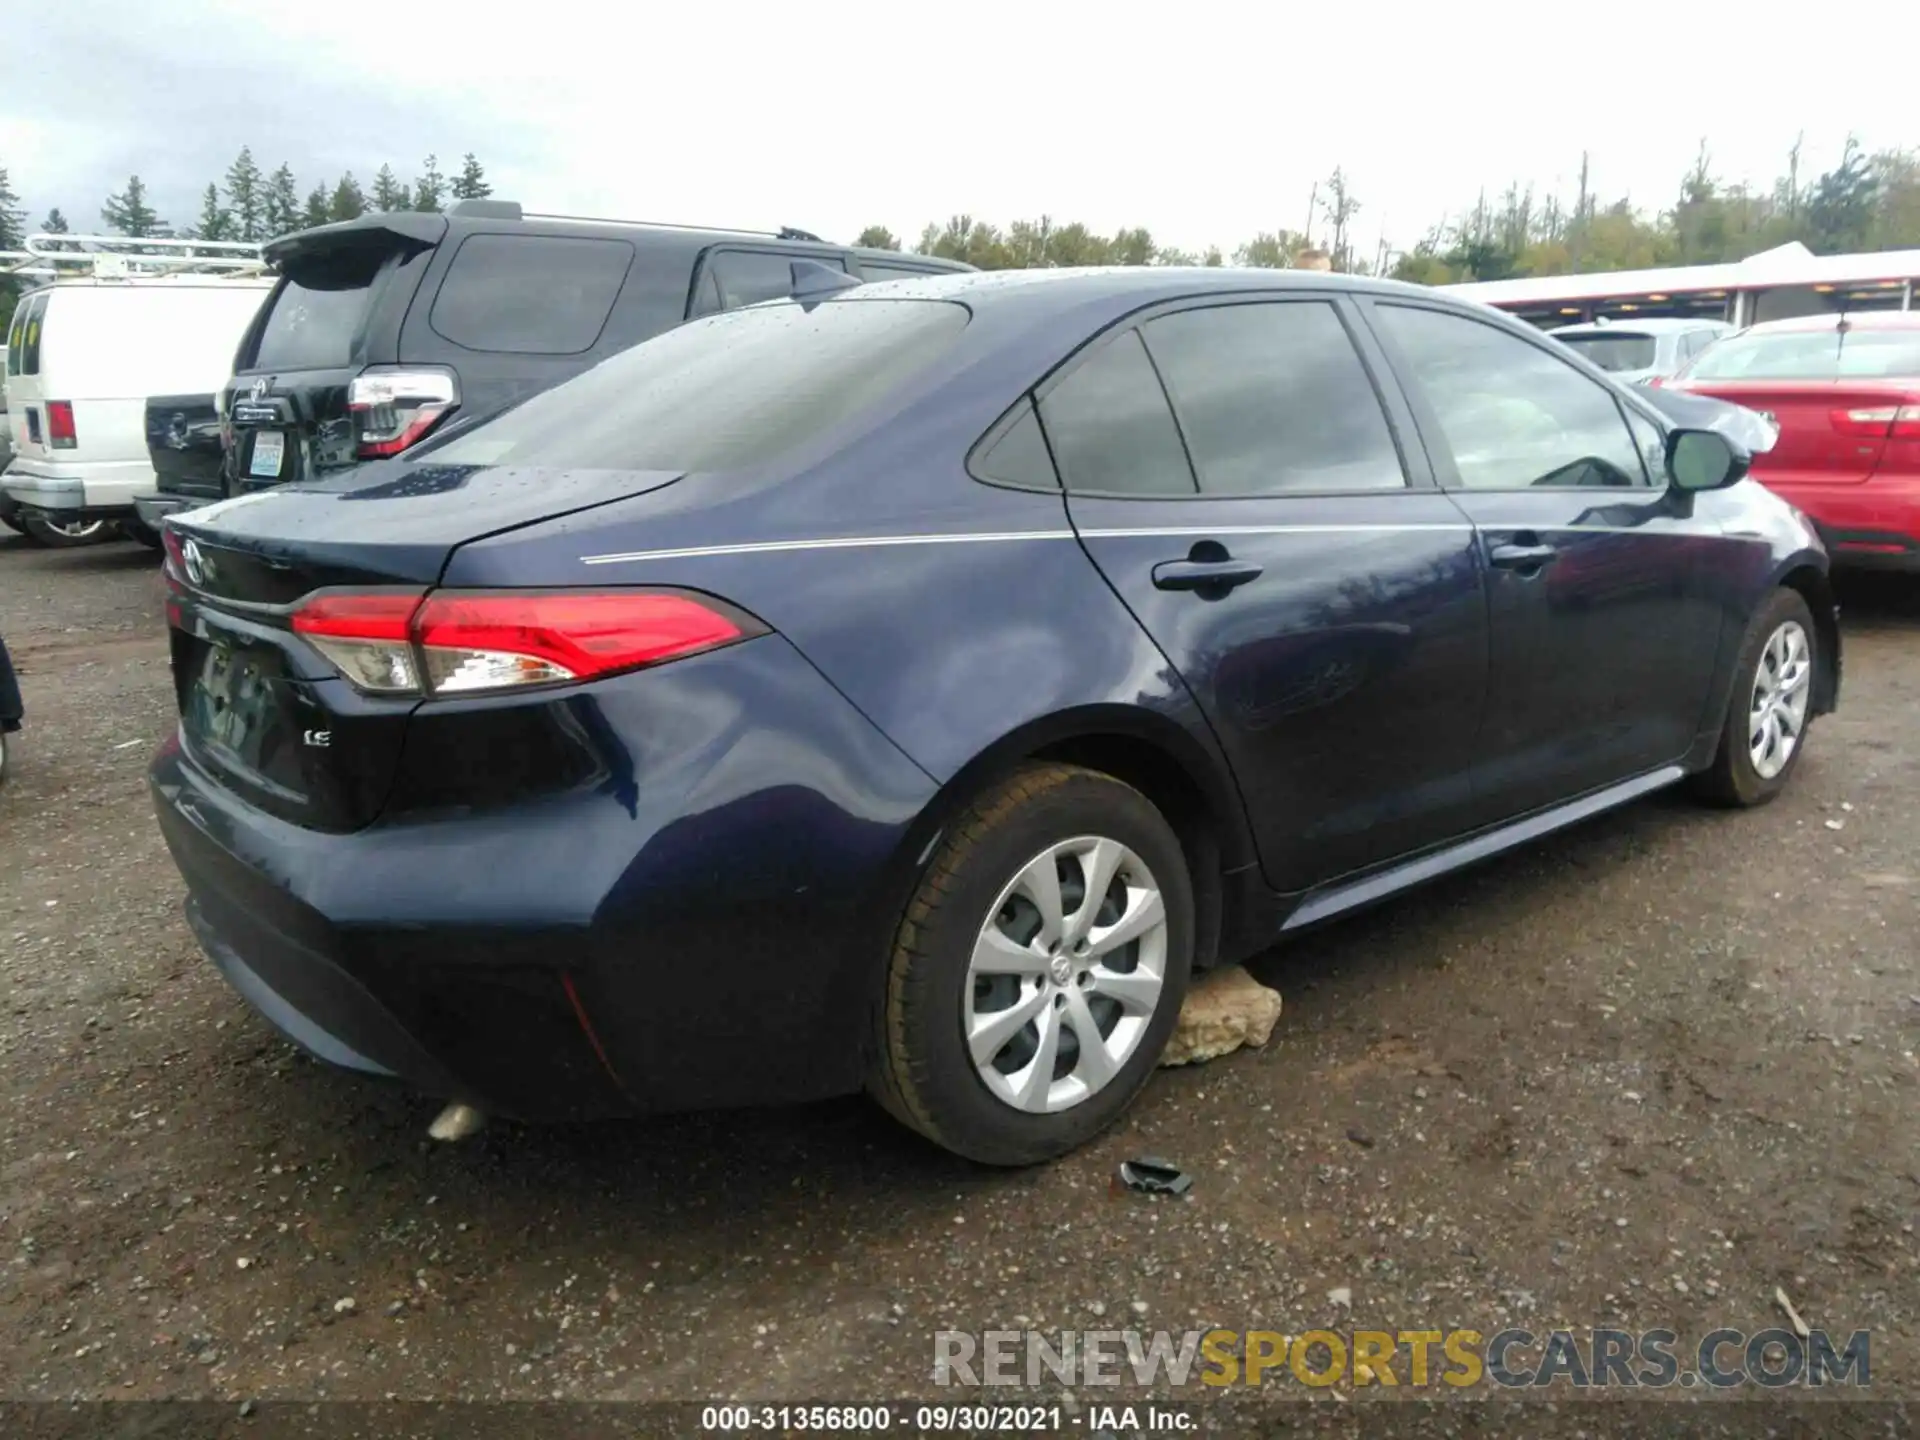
point(1845, 394)
point(552, 849)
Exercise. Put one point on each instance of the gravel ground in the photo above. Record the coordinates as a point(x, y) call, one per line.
point(1642, 1074)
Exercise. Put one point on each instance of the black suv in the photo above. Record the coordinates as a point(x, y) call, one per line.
point(384, 329)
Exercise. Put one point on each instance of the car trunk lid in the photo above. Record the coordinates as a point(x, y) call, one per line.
point(1832, 432)
point(262, 709)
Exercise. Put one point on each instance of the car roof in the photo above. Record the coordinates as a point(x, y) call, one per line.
point(505, 219)
point(1652, 325)
point(1857, 320)
point(1069, 287)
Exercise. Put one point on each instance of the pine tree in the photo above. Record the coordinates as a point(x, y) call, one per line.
point(430, 190)
point(128, 212)
point(317, 211)
point(12, 218)
point(281, 211)
point(215, 223)
point(388, 192)
point(471, 182)
point(347, 202)
point(246, 197)
point(55, 223)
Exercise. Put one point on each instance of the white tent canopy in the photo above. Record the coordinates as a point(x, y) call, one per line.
point(1790, 264)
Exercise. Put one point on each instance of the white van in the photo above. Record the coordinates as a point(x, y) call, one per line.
point(83, 355)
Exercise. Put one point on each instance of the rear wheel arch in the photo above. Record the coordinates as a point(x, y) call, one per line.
point(1149, 752)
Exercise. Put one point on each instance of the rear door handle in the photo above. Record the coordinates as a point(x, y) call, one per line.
point(1203, 574)
point(1522, 557)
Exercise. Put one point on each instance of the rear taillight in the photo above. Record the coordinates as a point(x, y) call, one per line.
point(60, 431)
point(456, 642)
point(1880, 422)
point(1654, 382)
point(393, 410)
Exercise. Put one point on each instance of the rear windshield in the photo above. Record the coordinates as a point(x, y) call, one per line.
point(1613, 353)
point(721, 393)
point(312, 323)
point(1811, 355)
point(23, 336)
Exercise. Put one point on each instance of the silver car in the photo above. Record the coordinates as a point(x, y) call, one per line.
point(1636, 351)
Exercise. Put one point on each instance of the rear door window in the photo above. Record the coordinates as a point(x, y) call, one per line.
point(1017, 455)
point(530, 294)
point(1272, 398)
point(1110, 428)
point(16, 332)
point(731, 279)
point(30, 335)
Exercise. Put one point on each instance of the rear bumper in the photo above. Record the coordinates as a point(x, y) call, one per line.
point(152, 509)
point(1872, 525)
point(699, 924)
point(75, 491)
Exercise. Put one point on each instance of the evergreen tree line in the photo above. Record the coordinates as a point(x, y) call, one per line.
point(250, 204)
point(1868, 201)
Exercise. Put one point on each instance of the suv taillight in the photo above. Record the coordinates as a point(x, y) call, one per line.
point(393, 410)
point(60, 431)
point(465, 642)
point(1882, 422)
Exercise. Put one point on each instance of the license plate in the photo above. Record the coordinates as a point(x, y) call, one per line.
point(269, 454)
point(231, 704)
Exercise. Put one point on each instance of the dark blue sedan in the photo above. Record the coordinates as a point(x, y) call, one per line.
point(910, 687)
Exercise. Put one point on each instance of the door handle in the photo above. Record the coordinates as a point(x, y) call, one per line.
point(1522, 557)
point(1218, 575)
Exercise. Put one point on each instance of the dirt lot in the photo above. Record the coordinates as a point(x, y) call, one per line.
point(1640, 1075)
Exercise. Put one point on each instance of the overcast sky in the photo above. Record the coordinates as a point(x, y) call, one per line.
point(1204, 121)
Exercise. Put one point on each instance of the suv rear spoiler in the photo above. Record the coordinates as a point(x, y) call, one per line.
point(381, 230)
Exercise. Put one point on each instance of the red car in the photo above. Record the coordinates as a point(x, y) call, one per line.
point(1845, 394)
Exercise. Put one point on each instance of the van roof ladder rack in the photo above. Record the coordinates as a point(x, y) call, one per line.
point(125, 257)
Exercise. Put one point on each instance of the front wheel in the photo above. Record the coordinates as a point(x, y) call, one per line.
point(1039, 968)
point(1770, 708)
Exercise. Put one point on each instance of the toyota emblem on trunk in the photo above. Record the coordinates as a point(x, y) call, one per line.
point(190, 557)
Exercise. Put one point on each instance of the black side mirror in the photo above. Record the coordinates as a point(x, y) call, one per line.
point(1705, 460)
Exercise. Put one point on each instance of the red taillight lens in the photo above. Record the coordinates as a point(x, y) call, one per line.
point(484, 642)
point(457, 642)
point(60, 431)
point(176, 563)
point(367, 636)
point(393, 410)
point(1880, 422)
point(1654, 382)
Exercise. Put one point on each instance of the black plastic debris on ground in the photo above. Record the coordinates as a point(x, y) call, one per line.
point(1150, 1176)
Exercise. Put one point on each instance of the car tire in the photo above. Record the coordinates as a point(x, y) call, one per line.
point(142, 533)
point(1748, 769)
point(69, 536)
point(943, 1063)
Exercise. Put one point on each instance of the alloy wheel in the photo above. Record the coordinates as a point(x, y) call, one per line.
point(1066, 974)
point(1782, 687)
